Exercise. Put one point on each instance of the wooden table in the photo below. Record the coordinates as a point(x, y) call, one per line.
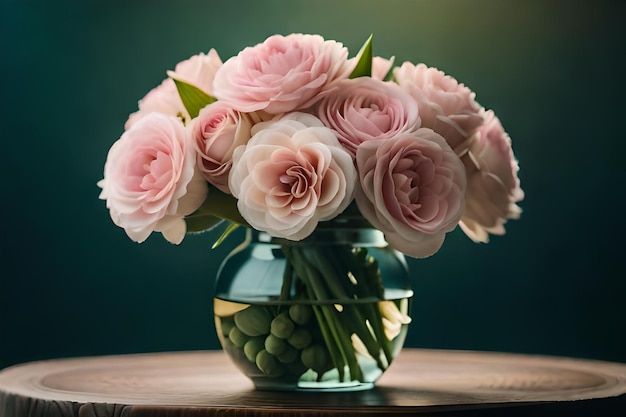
point(205, 383)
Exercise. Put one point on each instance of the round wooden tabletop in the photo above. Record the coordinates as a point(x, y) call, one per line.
point(205, 383)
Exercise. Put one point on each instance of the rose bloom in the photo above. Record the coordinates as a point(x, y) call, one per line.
point(493, 186)
point(447, 107)
point(412, 189)
point(290, 176)
point(150, 181)
point(215, 134)
point(199, 71)
point(281, 74)
point(364, 108)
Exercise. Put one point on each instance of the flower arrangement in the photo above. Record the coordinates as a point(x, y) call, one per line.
point(292, 134)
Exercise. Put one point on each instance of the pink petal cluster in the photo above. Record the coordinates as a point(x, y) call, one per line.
point(294, 140)
point(447, 107)
point(290, 176)
point(215, 134)
point(493, 186)
point(411, 188)
point(365, 108)
point(282, 74)
point(199, 70)
point(150, 180)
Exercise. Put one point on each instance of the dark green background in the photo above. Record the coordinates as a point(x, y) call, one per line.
point(73, 284)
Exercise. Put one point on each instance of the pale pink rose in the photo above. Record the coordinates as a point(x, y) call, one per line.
point(412, 188)
point(282, 74)
point(150, 181)
point(364, 108)
point(215, 134)
point(447, 107)
point(199, 70)
point(290, 176)
point(493, 186)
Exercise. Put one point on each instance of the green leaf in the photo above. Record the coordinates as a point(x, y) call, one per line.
point(363, 66)
point(231, 228)
point(193, 98)
point(390, 76)
point(217, 207)
point(201, 222)
point(222, 205)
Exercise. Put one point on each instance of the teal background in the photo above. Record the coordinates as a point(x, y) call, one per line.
point(73, 284)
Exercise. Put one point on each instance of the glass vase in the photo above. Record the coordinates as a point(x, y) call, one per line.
point(328, 313)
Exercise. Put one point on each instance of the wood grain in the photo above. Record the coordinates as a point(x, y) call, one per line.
point(205, 383)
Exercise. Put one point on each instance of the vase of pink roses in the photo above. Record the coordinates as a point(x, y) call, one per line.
point(337, 168)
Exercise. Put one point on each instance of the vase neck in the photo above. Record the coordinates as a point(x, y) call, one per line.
point(329, 235)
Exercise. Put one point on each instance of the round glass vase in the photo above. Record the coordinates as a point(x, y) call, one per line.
point(328, 313)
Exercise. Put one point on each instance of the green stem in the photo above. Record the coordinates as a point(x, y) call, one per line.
point(341, 336)
point(327, 334)
point(369, 285)
point(358, 313)
point(285, 289)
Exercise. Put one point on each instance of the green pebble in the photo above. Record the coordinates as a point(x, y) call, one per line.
point(301, 314)
point(300, 338)
point(253, 347)
point(282, 326)
point(275, 345)
point(268, 364)
point(315, 357)
point(237, 337)
point(226, 324)
point(254, 321)
point(289, 355)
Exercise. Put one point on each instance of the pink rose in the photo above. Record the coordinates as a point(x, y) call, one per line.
point(199, 70)
point(150, 181)
point(493, 186)
point(411, 188)
point(364, 108)
point(215, 134)
point(447, 107)
point(282, 74)
point(290, 176)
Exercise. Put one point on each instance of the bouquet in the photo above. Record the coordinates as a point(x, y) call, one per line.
point(293, 134)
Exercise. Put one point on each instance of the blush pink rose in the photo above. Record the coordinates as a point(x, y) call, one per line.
point(282, 74)
point(412, 188)
point(493, 186)
point(447, 107)
point(290, 176)
point(199, 70)
point(215, 134)
point(364, 108)
point(150, 181)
